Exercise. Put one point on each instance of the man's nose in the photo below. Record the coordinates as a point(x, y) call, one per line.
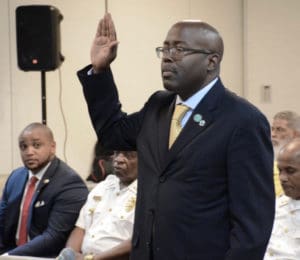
point(167, 58)
point(283, 176)
point(29, 150)
point(119, 159)
point(273, 133)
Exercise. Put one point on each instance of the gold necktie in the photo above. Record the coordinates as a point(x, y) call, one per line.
point(175, 128)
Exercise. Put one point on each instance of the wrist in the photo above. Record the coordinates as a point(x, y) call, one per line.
point(94, 71)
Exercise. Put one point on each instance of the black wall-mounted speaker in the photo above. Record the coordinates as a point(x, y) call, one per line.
point(38, 37)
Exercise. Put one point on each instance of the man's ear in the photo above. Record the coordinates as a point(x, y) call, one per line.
point(102, 168)
point(213, 61)
point(53, 148)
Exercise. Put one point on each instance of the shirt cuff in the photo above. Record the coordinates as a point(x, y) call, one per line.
point(90, 72)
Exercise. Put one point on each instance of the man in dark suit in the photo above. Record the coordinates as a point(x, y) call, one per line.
point(58, 194)
point(209, 195)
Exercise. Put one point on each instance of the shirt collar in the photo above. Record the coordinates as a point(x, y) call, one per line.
point(195, 99)
point(131, 186)
point(39, 175)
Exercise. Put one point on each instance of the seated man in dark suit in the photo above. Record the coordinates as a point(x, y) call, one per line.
point(41, 201)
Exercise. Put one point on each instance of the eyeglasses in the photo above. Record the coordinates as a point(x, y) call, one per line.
point(178, 52)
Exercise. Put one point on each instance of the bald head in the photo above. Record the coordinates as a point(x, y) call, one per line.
point(290, 151)
point(47, 131)
point(288, 163)
point(202, 33)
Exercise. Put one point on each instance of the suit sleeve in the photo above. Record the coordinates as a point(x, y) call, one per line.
point(63, 215)
point(3, 205)
point(251, 189)
point(9, 208)
point(104, 108)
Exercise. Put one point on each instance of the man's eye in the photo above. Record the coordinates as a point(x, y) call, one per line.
point(290, 170)
point(36, 145)
point(23, 147)
point(179, 49)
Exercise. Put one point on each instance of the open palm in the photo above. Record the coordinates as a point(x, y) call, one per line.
point(104, 48)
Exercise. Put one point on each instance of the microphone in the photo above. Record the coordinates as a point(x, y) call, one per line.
point(66, 254)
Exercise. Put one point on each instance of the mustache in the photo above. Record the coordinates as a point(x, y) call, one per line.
point(168, 68)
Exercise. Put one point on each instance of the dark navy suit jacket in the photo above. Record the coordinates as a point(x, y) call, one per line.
point(211, 196)
point(54, 210)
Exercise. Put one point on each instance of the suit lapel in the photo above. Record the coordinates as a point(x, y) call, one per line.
point(163, 130)
point(46, 177)
point(22, 181)
point(15, 186)
point(195, 126)
point(42, 184)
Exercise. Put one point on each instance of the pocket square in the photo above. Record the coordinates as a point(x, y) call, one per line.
point(39, 204)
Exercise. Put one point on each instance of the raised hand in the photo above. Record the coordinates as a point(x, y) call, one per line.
point(104, 47)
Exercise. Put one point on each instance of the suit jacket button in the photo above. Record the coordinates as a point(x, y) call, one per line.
point(162, 178)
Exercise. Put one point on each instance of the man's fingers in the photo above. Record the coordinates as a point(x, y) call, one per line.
point(112, 31)
point(99, 28)
point(106, 28)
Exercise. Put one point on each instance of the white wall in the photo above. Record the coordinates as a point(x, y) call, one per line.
point(272, 56)
point(5, 91)
point(23, 89)
point(256, 53)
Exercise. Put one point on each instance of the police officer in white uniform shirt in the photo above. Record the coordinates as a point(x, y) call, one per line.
point(105, 224)
point(284, 243)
